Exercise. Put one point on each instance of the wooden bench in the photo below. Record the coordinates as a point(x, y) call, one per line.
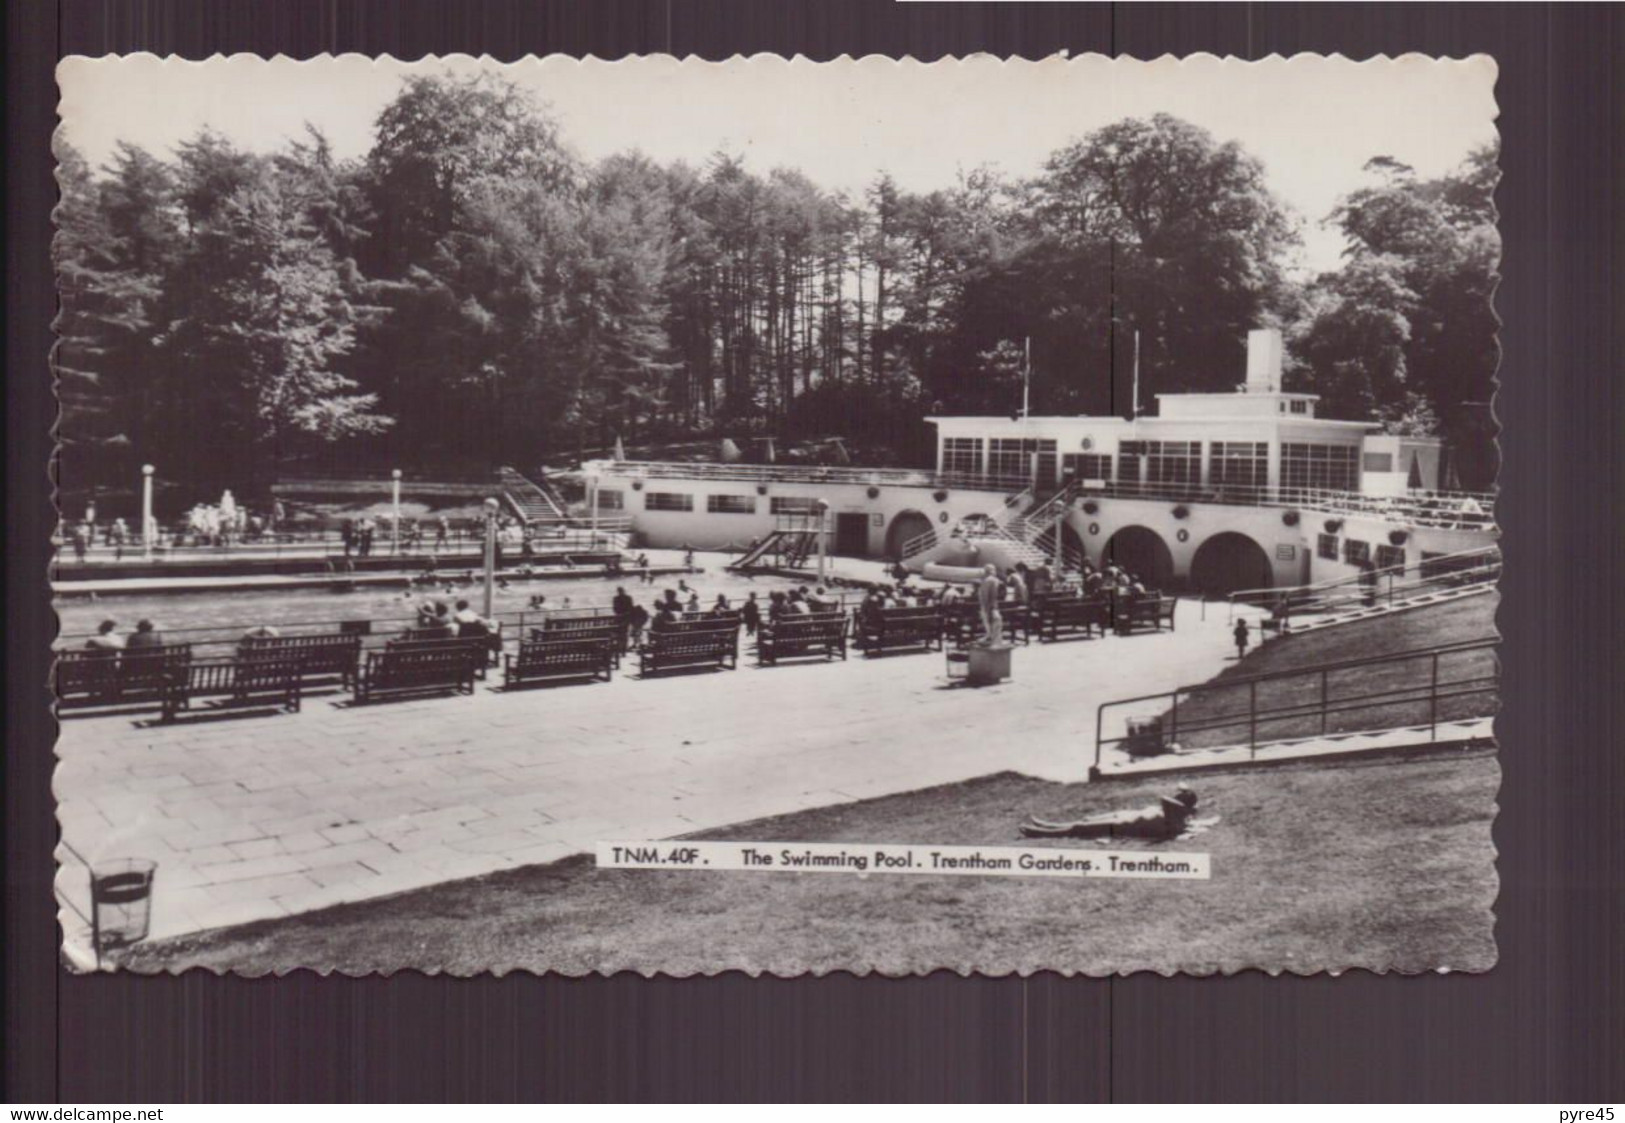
point(585, 627)
point(689, 645)
point(962, 623)
point(890, 629)
point(1148, 612)
point(239, 681)
point(476, 649)
point(1056, 616)
point(319, 655)
point(580, 655)
point(107, 678)
point(418, 668)
point(818, 633)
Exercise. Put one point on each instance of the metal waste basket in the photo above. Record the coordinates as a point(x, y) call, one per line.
point(121, 901)
point(1144, 736)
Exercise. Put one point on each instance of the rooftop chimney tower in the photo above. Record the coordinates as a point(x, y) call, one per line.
point(1263, 360)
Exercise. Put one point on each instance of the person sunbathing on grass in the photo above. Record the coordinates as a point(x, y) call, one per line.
point(1166, 818)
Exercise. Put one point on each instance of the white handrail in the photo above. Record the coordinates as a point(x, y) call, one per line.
point(1323, 586)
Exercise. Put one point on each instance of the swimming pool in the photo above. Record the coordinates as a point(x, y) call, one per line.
point(224, 615)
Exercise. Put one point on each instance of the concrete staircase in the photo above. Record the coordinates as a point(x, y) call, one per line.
point(1418, 599)
point(529, 500)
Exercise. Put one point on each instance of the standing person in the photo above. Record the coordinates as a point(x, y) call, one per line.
point(751, 613)
point(79, 542)
point(639, 619)
point(1241, 638)
point(1018, 584)
point(442, 532)
point(347, 533)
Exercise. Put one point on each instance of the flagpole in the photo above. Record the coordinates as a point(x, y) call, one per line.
point(1027, 378)
point(1136, 404)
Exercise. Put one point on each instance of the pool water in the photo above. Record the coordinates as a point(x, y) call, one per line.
point(229, 614)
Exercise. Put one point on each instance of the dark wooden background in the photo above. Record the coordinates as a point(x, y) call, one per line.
point(1547, 1024)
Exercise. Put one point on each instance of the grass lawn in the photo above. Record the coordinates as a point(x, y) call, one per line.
point(1384, 864)
point(1222, 712)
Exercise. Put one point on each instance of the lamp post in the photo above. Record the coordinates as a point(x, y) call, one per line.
point(592, 508)
point(823, 524)
point(146, 510)
point(395, 496)
point(1060, 558)
point(490, 554)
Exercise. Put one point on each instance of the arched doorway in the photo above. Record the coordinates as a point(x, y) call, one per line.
point(1229, 562)
point(905, 526)
point(1142, 552)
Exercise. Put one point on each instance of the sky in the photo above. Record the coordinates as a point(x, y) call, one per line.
point(1313, 122)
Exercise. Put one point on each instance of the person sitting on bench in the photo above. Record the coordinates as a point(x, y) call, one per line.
point(1166, 818)
point(145, 635)
point(106, 641)
point(470, 625)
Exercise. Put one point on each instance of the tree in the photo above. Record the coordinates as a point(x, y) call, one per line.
point(257, 334)
point(1188, 238)
point(113, 248)
point(1424, 253)
point(438, 142)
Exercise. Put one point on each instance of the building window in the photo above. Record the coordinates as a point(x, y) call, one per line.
point(1164, 462)
point(1379, 462)
point(731, 504)
point(667, 501)
point(1128, 461)
point(611, 500)
point(1005, 458)
point(1300, 407)
point(1390, 557)
point(1336, 467)
point(1012, 458)
point(1356, 552)
point(792, 505)
point(1087, 466)
point(962, 454)
point(1238, 464)
point(1326, 547)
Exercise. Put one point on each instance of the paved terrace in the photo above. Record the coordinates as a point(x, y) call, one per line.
point(257, 817)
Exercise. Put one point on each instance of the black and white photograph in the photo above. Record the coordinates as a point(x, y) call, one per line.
point(657, 515)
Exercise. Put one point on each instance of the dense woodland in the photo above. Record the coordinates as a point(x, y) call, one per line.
point(471, 293)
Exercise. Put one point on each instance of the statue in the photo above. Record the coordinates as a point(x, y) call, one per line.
point(987, 598)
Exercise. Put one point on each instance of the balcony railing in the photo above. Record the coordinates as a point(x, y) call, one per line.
point(1460, 510)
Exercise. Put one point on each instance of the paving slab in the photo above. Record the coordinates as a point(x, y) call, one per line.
point(339, 802)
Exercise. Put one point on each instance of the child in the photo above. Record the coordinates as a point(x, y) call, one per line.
point(1241, 639)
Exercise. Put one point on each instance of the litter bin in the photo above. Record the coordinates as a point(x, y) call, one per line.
point(121, 901)
point(1144, 736)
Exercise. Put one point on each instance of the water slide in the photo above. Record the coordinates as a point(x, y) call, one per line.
point(953, 558)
